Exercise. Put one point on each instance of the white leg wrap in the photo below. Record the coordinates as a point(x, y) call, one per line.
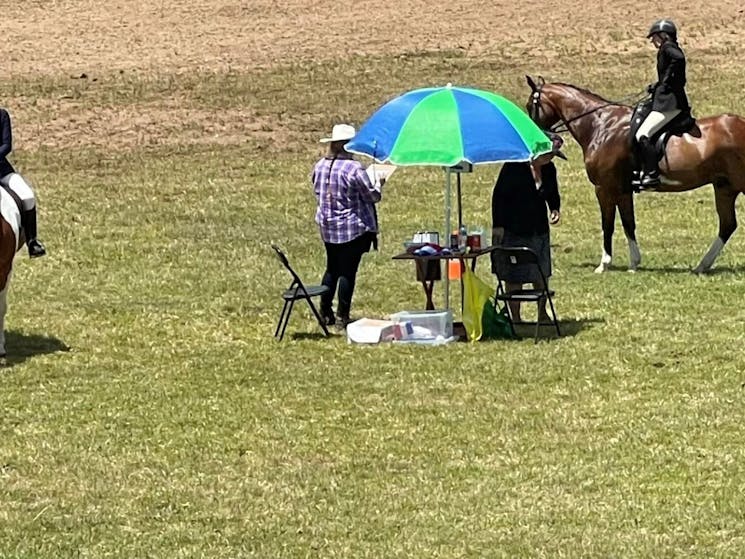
point(604, 263)
point(708, 260)
point(635, 255)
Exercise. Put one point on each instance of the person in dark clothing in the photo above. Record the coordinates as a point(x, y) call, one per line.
point(519, 200)
point(15, 183)
point(669, 98)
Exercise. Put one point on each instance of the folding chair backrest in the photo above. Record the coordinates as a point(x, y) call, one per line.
point(519, 256)
point(286, 263)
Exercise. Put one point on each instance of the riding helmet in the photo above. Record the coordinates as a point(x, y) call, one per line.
point(663, 26)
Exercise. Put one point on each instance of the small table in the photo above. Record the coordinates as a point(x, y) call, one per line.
point(428, 284)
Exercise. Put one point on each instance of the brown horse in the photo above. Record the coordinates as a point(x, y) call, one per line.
point(712, 153)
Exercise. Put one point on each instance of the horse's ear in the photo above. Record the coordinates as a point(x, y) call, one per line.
point(531, 83)
point(541, 81)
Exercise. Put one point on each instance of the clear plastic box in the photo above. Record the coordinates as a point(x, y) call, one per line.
point(439, 323)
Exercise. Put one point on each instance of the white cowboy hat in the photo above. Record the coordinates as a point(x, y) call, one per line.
point(340, 133)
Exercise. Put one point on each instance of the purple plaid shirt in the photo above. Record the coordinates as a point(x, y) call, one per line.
point(346, 199)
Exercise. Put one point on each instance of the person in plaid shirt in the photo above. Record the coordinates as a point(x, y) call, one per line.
point(346, 218)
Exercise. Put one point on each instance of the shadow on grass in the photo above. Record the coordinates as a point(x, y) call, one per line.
point(21, 347)
point(333, 332)
point(590, 267)
point(738, 269)
point(723, 270)
point(569, 327)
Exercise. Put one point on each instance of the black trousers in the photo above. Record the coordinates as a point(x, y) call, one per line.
point(342, 262)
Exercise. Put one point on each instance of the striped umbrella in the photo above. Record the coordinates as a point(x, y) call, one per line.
point(448, 126)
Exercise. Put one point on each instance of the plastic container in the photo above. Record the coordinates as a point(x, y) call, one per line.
point(427, 237)
point(427, 325)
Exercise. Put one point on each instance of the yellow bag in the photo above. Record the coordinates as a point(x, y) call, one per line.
point(476, 293)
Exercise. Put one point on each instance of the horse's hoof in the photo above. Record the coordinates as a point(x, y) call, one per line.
point(632, 270)
point(699, 271)
point(600, 269)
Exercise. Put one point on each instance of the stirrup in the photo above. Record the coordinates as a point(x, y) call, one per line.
point(36, 249)
point(650, 182)
point(636, 181)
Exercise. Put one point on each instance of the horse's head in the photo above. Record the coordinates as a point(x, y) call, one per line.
point(539, 106)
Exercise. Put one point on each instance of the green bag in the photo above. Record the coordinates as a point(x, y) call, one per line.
point(495, 324)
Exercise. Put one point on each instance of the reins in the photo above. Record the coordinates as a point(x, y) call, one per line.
point(563, 124)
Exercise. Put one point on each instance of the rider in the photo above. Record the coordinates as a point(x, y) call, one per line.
point(668, 96)
point(14, 182)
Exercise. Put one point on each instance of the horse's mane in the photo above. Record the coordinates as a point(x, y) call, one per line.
point(589, 93)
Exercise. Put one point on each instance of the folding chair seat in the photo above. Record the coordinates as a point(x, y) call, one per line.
point(297, 291)
point(522, 256)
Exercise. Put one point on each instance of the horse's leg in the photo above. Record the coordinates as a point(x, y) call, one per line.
point(608, 221)
point(3, 309)
point(724, 199)
point(626, 211)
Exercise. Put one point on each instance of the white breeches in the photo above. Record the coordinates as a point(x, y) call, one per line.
point(18, 184)
point(654, 121)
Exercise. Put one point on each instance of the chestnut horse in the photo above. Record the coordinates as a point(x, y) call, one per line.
point(713, 152)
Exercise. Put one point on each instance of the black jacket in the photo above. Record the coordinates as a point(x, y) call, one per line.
point(669, 91)
point(6, 143)
point(517, 205)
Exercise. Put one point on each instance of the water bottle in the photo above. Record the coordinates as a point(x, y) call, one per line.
point(462, 238)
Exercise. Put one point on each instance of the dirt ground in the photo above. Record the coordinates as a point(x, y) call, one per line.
point(67, 38)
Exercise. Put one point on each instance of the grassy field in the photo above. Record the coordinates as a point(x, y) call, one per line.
point(148, 412)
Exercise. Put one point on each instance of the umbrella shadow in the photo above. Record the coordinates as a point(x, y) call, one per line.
point(20, 346)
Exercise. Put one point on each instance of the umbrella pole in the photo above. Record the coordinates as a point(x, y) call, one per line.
point(447, 234)
point(460, 225)
point(460, 204)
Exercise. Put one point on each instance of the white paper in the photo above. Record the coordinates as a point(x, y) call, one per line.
point(368, 330)
point(378, 171)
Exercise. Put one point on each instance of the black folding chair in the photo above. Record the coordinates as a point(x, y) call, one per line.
point(507, 257)
point(297, 290)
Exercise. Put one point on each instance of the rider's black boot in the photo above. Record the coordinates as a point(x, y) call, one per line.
point(651, 173)
point(28, 222)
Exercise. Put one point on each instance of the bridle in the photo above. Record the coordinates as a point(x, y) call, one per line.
point(563, 124)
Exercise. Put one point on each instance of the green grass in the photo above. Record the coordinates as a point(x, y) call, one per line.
point(148, 412)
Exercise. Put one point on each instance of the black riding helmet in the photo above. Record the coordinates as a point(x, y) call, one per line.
point(663, 26)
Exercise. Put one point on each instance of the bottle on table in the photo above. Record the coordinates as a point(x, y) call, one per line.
point(454, 240)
